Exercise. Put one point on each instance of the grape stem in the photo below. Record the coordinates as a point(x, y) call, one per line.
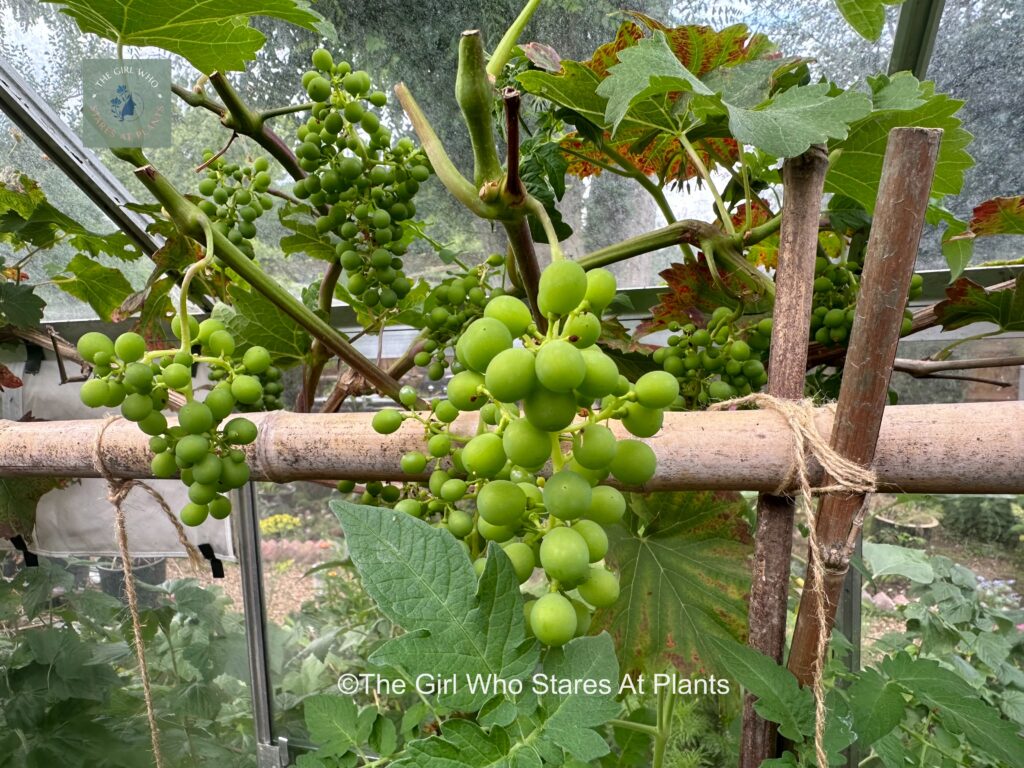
point(537, 209)
point(503, 51)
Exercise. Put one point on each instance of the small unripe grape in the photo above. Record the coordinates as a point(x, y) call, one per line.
point(221, 343)
point(247, 389)
point(220, 507)
point(460, 523)
point(567, 495)
point(221, 402)
point(642, 422)
point(564, 555)
point(136, 407)
point(511, 312)
point(583, 330)
point(256, 359)
point(94, 393)
point(658, 389)
point(200, 493)
point(234, 474)
point(601, 374)
point(560, 366)
point(195, 418)
point(719, 390)
point(510, 375)
point(130, 347)
point(193, 514)
point(387, 421)
point(408, 396)
point(522, 558)
point(563, 285)
point(601, 589)
point(193, 326)
point(240, 431)
point(634, 462)
point(207, 328)
point(319, 89)
point(525, 445)
point(594, 535)
point(154, 424)
point(484, 456)
point(191, 449)
point(323, 60)
point(601, 289)
point(463, 391)
point(501, 502)
point(93, 342)
point(413, 463)
point(164, 465)
point(594, 446)
point(496, 533)
point(607, 505)
point(550, 411)
point(553, 620)
point(481, 342)
point(176, 376)
point(453, 489)
point(446, 412)
point(115, 393)
point(207, 471)
point(439, 445)
point(409, 507)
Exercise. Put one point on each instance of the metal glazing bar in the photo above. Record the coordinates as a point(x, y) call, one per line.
point(915, 36)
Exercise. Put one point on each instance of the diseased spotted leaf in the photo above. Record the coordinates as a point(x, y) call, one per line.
point(212, 36)
point(967, 302)
point(998, 216)
point(681, 558)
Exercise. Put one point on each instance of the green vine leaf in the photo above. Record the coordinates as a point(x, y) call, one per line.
point(421, 578)
point(867, 17)
point(682, 560)
point(336, 724)
point(967, 302)
point(102, 288)
point(212, 36)
point(857, 169)
point(19, 499)
point(256, 321)
point(877, 706)
point(890, 560)
point(19, 305)
point(899, 91)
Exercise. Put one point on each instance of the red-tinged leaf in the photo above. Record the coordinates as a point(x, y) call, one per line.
point(614, 335)
point(543, 56)
point(998, 216)
point(692, 293)
point(607, 55)
point(7, 379)
point(967, 303)
point(14, 275)
point(701, 49)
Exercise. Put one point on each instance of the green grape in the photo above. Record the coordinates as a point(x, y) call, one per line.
point(221, 343)
point(446, 412)
point(460, 523)
point(139, 377)
point(634, 462)
point(564, 555)
point(560, 366)
point(413, 463)
point(221, 402)
point(463, 391)
point(220, 507)
point(583, 617)
point(501, 502)
point(387, 421)
point(164, 465)
point(567, 495)
point(607, 505)
point(523, 561)
point(583, 330)
point(510, 375)
point(115, 393)
point(319, 89)
point(594, 446)
point(410, 507)
point(193, 326)
point(719, 390)
point(207, 471)
point(195, 418)
point(191, 449)
point(563, 285)
point(234, 474)
point(594, 535)
point(495, 533)
point(592, 476)
point(193, 514)
point(453, 489)
point(92, 343)
point(345, 486)
point(601, 289)
point(207, 328)
point(199, 493)
point(439, 445)
point(525, 445)
point(658, 389)
point(482, 340)
point(479, 565)
point(136, 407)
point(176, 376)
point(408, 396)
point(256, 359)
point(550, 411)
point(154, 424)
point(130, 347)
point(601, 375)
point(94, 393)
point(601, 589)
point(642, 422)
point(511, 312)
point(247, 389)
point(484, 456)
point(239, 431)
point(553, 620)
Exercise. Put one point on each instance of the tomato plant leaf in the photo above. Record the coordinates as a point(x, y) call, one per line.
point(867, 17)
point(421, 578)
point(858, 167)
point(681, 557)
point(334, 724)
point(102, 288)
point(967, 302)
point(998, 216)
point(19, 499)
point(890, 560)
point(779, 696)
point(877, 706)
point(956, 704)
point(256, 321)
point(212, 36)
point(19, 305)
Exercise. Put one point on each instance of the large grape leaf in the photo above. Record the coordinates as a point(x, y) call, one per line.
point(256, 321)
point(877, 706)
point(421, 578)
point(563, 725)
point(998, 216)
point(19, 305)
point(957, 704)
point(682, 559)
point(867, 17)
point(967, 302)
point(102, 288)
point(857, 169)
point(19, 498)
point(211, 34)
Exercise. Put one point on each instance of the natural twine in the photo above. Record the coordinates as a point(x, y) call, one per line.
point(843, 476)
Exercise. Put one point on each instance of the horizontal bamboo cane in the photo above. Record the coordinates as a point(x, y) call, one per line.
point(961, 448)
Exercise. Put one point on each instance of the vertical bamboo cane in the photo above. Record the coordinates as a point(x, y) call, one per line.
point(803, 180)
point(903, 193)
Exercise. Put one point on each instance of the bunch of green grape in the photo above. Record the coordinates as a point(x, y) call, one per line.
point(542, 402)
point(203, 448)
point(236, 197)
point(718, 362)
point(454, 303)
point(362, 184)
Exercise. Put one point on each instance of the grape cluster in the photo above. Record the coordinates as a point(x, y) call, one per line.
point(454, 303)
point(236, 197)
point(362, 184)
point(718, 362)
point(205, 451)
point(539, 399)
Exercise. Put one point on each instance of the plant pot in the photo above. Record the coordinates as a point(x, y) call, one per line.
point(922, 528)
